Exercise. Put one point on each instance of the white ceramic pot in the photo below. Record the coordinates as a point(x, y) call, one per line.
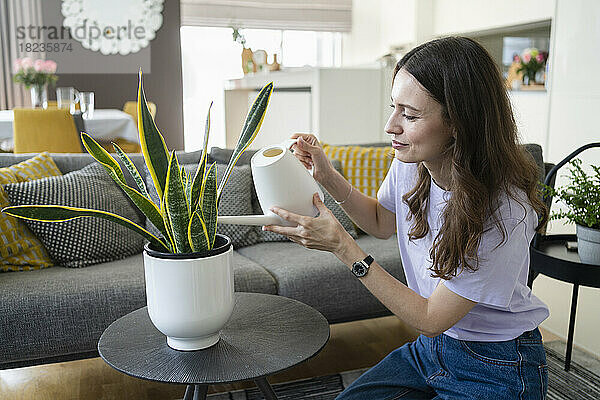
point(190, 296)
point(588, 245)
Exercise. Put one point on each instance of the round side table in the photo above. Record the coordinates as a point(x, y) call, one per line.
point(551, 258)
point(265, 334)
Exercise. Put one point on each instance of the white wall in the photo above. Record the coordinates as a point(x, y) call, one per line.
point(461, 16)
point(573, 121)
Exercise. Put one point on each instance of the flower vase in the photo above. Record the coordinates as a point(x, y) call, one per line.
point(39, 96)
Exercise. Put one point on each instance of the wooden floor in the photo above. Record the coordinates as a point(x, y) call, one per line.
point(352, 345)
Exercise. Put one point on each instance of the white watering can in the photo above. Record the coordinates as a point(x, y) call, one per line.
point(281, 181)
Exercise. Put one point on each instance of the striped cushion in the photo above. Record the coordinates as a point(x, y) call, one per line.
point(20, 250)
point(364, 167)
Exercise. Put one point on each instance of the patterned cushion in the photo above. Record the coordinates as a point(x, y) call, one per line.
point(364, 167)
point(329, 201)
point(20, 250)
point(235, 200)
point(82, 241)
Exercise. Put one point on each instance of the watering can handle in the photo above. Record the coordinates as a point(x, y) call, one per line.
point(288, 143)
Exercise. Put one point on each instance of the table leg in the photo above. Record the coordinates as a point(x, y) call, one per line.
point(189, 392)
point(195, 392)
point(571, 327)
point(200, 392)
point(265, 388)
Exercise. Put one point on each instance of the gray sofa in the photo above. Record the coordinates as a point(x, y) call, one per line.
point(58, 314)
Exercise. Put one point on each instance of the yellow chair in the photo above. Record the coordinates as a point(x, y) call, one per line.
point(52, 130)
point(130, 108)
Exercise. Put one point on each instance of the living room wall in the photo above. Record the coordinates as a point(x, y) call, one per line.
point(163, 85)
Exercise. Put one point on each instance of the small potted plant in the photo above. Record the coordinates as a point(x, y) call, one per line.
point(188, 267)
point(35, 75)
point(582, 198)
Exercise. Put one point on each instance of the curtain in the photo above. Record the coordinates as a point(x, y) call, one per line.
point(14, 13)
point(310, 15)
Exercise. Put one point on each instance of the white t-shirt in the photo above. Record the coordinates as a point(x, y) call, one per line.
point(505, 306)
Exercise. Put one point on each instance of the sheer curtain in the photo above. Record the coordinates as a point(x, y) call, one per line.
point(15, 13)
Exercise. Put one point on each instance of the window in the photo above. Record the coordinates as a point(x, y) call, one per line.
point(210, 57)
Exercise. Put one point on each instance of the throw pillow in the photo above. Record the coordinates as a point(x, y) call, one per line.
point(235, 200)
point(364, 167)
point(82, 241)
point(329, 201)
point(20, 250)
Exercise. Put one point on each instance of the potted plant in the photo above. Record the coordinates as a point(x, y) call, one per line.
point(531, 61)
point(35, 75)
point(582, 197)
point(188, 267)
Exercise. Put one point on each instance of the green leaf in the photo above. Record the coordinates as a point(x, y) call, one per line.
point(177, 207)
point(132, 170)
point(51, 213)
point(209, 205)
point(197, 234)
point(199, 175)
point(150, 210)
point(152, 143)
point(249, 131)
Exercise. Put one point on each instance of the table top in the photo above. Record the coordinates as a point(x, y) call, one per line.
point(105, 124)
point(265, 334)
point(551, 258)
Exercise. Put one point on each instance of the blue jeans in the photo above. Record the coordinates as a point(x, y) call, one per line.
point(447, 368)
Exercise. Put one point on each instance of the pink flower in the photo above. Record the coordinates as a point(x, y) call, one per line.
point(539, 58)
point(516, 58)
point(526, 57)
point(26, 63)
point(50, 67)
point(17, 65)
point(39, 65)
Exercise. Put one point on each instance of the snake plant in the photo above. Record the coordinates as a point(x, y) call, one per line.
point(187, 214)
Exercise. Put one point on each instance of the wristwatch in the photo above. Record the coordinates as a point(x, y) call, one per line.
point(360, 268)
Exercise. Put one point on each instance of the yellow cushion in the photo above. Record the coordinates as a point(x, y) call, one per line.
point(364, 167)
point(20, 250)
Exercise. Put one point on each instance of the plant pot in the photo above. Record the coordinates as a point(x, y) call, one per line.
point(190, 296)
point(588, 245)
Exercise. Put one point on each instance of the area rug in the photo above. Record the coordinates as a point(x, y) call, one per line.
point(577, 384)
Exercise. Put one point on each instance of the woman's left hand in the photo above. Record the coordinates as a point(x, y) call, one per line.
point(321, 233)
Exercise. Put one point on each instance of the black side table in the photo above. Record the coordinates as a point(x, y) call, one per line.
point(551, 258)
point(266, 334)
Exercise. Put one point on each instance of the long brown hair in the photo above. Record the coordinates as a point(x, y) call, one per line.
point(486, 158)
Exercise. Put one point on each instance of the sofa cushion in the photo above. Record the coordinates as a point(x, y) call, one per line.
point(82, 241)
point(320, 280)
point(60, 311)
point(20, 250)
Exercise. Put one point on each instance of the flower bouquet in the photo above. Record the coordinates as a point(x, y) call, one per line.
point(35, 75)
point(531, 61)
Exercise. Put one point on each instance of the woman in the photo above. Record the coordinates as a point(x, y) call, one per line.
point(462, 197)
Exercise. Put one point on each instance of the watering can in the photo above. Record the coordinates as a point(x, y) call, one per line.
point(281, 181)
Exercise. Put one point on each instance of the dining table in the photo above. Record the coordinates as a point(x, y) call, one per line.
point(103, 125)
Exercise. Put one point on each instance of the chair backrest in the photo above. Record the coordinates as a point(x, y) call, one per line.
point(37, 130)
point(130, 108)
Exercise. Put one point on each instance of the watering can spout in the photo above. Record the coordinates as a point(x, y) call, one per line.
point(280, 180)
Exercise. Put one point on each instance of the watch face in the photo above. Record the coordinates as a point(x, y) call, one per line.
point(359, 269)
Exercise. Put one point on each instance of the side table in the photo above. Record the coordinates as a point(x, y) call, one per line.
point(551, 258)
point(265, 334)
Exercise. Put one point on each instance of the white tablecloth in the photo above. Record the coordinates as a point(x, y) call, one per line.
point(104, 125)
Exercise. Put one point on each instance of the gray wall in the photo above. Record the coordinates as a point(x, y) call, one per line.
point(163, 85)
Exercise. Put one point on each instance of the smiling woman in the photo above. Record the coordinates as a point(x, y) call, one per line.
point(462, 196)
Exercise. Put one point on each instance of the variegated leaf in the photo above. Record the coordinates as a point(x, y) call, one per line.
point(199, 175)
point(209, 202)
point(51, 213)
point(197, 234)
point(176, 206)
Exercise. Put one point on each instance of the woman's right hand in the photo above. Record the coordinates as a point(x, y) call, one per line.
point(310, 153)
